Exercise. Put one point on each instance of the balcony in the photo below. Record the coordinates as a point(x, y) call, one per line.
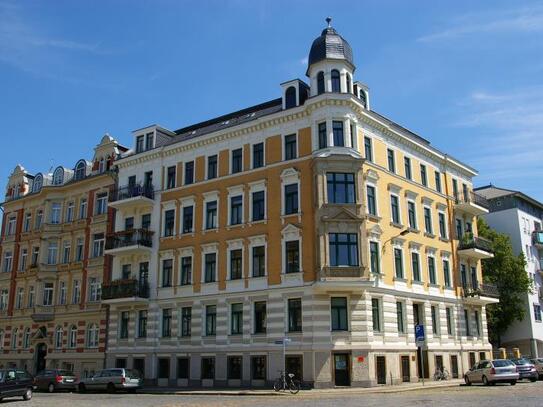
point(43, 313)
point(471, 203)
point(480, 294)
point(132, 196)
point(537, 238)
point(340, 277)
point(120, 291)
point(129, 241)
point(475, 247)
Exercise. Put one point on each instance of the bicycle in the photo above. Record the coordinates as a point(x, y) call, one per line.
point(441, 374)
point(285, 382)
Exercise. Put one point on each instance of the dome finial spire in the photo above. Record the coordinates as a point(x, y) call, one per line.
point(328, 21)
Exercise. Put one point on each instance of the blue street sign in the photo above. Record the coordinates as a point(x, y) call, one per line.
point(419, 334)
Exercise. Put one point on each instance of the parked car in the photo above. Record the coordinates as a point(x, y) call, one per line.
point(526, 369)
point(113, 380)
point(55, 379)
point(16, 383)
point(538, 363)
point(492, 372)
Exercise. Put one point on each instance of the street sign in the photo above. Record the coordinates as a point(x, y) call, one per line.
point(420, 338)
point(283, 341)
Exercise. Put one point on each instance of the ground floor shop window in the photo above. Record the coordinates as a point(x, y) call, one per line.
point(234, 367)
point(208, 368)
point(258, 367)
point(163, 368)
point(183, 368)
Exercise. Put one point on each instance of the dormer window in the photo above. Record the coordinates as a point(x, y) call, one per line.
point(149, 141)
point(80, 170)
point(290, 97)
point(101, 165)
point(38, 182)
point(336, 85)
point(320, 83)
point(58, 176)
point(348, 79)
point(363, 98)
point(139, 144)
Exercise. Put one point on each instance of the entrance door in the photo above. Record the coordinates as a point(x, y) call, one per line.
point(439, 362)
point(406, 375)
point(454, 366)
point(381, 369)
point(422, 357)
point(294, 364)
point(139, 365)
point(342, 375)
point(41, 353)
point(472, 359)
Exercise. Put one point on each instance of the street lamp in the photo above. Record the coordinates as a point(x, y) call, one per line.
point(402, 233)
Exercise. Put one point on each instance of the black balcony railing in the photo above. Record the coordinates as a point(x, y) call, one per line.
point(133, 191)
point(469, 241)
point(127, 238)
point(471, 197)
point(481, 290)
point(125, 289)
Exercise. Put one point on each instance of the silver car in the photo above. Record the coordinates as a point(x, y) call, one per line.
point(112, 380)
point(538, 363)
point(492, 372)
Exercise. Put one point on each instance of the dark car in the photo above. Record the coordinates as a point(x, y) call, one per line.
point(16, 383)
point(55, 379)
point(525, 369)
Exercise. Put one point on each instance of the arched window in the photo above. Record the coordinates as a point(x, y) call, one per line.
point(290, 97)
point(58, 337)
point(363, 98)
point(92, 336)
point(336, 86)
point(348, 78)
point(14, 337)
point(26, 338)
point(72, 338)
point(38, 182)
point(58, 176)
point(320, 83)
point(80, 168)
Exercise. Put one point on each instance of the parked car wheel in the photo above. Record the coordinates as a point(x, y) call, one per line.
point(533, 379)
point(51, 388)
point(132, 391)
point(467, 381)
point(28, 395)
point(485, 381)
point(82, 388)
point(513, 382)
point(110, 388)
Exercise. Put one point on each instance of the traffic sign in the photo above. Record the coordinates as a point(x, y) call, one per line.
point(420, 338)
point(283, 341)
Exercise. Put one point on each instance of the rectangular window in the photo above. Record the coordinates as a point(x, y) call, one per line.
point(442, 225)
point(290, 147)
point(432, 270)
point(19, 299)
point(375, 266)
point(234, 364)
point(537, 312)
point(438, 181)
point(433, 313)
point(258, 155)
point(376, 314)
point(258, 367)
point(52, 254)
point(169, 222)
point(211, 215)
point(149, 141)
point(76, 292)
point(477, 322)
point(395, 209)
point(372, 204)
point(101, 203)
point(27, 222)
point(210, 267)
point(323, 135)
point(291, 199)
point(66, 248)
point(186, 318)
point(125, 317)
point(98, 245)
point(236, 319)
point(139, 144)
point(466, 321)
point(446, 273)
point(343, 249)
point(8, 261)
point(398, 263)
point(82, 209)
point(188, 219)
point(212, 166)
point(95, 289)
point(170, 177)
point(411, 214)
point(295, 315)
point(407, 166)
point(48, 294)
point(428, 221)
point(400, 317)
point(208, 368)
point(260, 317)
point(236, 210)
point(211, 319)
point(340, 187)
point(258, 206)
point(337, 129)
point(391, 160)
point(142, 324)
point(237, 160)
point(166, 322)
point(167, 268)
point(183, 368)
point(189, 172)
point(259, 261)
point(79, 250)
point(423, 176)
point(39, 218)
point(415, 265)
point(236, 260)
point(55, 214)
point(163, 368)
point(448, 313)
point(368, 150)
point(70, 212)
point(292, 256)
point(338, 307)
point(186, 270)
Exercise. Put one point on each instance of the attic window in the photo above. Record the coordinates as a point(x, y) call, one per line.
point(225, 122)
point(58, 176)
point(290, 97)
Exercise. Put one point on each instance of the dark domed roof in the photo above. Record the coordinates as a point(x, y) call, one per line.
point(330, 45)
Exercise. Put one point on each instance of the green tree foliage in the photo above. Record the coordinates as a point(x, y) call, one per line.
point(508, 272)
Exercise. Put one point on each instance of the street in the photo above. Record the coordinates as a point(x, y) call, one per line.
point(523, 394)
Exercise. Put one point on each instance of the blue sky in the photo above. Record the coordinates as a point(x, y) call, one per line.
point(466, 75)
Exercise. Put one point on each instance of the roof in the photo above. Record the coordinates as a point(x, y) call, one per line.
point(330, 45)
point(492, 192)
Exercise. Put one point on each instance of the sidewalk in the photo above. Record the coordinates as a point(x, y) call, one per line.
point(313, 392)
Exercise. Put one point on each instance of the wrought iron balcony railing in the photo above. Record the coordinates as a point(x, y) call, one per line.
point(127, 238)
point(481, 290)
point(132, 191)
point(471, 197)
point(469, 241)
point(125, 289)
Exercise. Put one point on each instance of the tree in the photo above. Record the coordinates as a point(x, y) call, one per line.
point(508, 272)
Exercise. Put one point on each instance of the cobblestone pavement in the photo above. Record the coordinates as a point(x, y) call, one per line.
point(521, 395)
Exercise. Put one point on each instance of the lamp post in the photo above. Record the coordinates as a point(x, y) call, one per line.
point(402, 233)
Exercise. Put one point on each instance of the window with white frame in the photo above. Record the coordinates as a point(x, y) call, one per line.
point(66, 249)
point(10, 230)
point(82, 208)
point(48, 289)
point(55, 213)
point(26, 338)
point(76, 292)
point(19, 298)
point(59, 333)
point(92, 336)
point(62, 293)
point(72, 337)
point(101, 203)
point(27, 222)
point(14, 338)
point(52, 253)
point(79, 249)
point(23, 260)
point(3, 299)
point(70, 212)
point(8, 261)
point(31, 295)
point(95, 289)
point(98, 242)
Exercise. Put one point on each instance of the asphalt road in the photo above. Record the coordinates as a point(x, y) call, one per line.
point(521, 395)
